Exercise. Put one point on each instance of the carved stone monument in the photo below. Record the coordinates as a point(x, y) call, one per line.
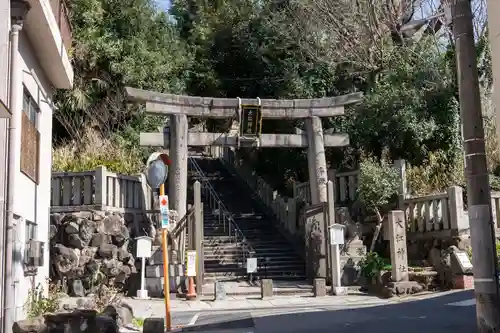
point(397, 237)
point(315, 240)
point(400, 283)
point(353, 250)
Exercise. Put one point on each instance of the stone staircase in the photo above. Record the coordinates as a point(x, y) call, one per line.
point(224, 258)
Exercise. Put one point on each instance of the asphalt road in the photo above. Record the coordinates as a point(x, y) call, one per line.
point(452, 313)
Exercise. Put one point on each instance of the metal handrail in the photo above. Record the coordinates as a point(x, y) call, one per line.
point(239, 237)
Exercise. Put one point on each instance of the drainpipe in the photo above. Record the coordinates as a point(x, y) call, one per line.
point(19, 9)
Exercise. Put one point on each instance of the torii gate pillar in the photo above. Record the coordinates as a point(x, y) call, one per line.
point(178, 171)
point(316, 160)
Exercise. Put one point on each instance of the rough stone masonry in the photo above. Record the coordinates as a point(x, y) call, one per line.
point(92, 247)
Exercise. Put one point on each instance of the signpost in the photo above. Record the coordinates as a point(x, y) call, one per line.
point(251, 268)
point(191, 263)
point(336, 239)
point(143, 251)
point(164, 211)
point(191, 273)
point(157, 173)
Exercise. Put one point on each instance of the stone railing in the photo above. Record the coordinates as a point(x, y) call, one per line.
point(443, 213)
point(99, 190)
point(283, 208)
point(346, 184)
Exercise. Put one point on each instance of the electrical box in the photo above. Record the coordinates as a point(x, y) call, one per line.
point(34, 253)
point(251, 120)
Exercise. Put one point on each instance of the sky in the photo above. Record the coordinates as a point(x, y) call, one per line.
point(164, 4)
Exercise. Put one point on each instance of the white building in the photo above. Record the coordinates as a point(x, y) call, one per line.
point(494, 36)
point(28, 80)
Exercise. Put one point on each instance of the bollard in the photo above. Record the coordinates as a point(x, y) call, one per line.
point(319, 287)
point(153, 325)
point(266, 288)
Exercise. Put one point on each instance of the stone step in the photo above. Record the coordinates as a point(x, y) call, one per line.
point(255, 247)
point(242, 272)
point(217, 266)
point(231, 276)
point(226, 240)
point(272, 256)
point(238, 262)
point(222, 253)
point(258, 254)
point(250, 231)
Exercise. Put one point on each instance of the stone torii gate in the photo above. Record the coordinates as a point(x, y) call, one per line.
point(247, 115)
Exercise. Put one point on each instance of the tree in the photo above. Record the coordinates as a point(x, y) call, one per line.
point(245, 49)
point(378, 184)
point(412, 109)
point(117, 43)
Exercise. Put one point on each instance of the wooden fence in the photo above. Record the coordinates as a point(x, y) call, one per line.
point(99, 190)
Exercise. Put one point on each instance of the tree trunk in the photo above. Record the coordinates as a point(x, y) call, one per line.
point(377, 230)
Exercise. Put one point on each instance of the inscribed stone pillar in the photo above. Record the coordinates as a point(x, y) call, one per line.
point(397, 238)
point(177, 174)
point(316, 160)
point(316, 232)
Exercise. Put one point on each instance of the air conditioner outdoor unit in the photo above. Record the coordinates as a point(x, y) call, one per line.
point(34, 253)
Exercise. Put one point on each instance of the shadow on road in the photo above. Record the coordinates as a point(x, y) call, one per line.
point(432, 315)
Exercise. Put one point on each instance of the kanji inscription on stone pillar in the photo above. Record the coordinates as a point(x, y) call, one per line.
point(397, 238)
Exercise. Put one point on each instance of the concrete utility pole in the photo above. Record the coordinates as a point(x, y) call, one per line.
point(478, 188)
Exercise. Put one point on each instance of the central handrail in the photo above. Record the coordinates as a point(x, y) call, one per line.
point(233, 229)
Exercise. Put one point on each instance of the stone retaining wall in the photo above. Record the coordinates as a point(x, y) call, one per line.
point(92, 247)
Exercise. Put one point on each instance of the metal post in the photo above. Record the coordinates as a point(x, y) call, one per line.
point(143, 273)
point(478, 189)
point(198, 237)
point(166, 282)
point(336, 267)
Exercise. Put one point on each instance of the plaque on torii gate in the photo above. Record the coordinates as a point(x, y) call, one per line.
point(245, 132)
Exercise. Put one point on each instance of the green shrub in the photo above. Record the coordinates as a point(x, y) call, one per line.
point(371, 265)
point(39, 304)
point(497, 246)
point(436, 174)
point(138, 322)
point(94, 151)
point(378, 185)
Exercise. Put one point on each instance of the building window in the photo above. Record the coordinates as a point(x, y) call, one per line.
point(30, 137)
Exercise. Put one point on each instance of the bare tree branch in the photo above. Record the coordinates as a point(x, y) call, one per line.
point(352, 32)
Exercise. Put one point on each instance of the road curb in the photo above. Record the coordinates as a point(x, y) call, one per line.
point(347, 304)
point(289, 306)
